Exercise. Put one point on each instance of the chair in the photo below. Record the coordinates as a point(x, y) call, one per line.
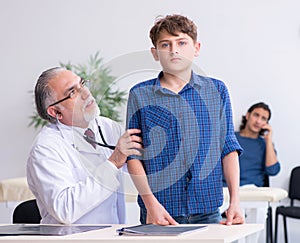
point(27, 212)
point(269, 220)
point(290, 211)
point(269, 232)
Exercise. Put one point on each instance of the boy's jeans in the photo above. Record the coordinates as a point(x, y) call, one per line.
point(209, 218)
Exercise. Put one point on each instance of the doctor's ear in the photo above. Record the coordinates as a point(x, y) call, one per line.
point(52, 111)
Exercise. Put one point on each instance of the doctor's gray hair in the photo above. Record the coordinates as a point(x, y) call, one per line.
point(44, 94)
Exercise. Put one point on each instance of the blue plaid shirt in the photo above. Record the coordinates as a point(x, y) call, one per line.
point(185, 137)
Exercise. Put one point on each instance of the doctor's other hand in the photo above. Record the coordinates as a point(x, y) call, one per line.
point(128, 144)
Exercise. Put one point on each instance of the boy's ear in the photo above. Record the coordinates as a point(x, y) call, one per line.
point(154, 53)
point(197, 48)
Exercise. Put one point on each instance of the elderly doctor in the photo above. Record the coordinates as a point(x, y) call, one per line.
point(75, 176)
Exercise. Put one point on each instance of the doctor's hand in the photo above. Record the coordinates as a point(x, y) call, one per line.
point(128, 144)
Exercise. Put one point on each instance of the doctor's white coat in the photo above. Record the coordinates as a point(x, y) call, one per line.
point(72, 182)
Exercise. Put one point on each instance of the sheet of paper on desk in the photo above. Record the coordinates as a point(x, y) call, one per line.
point(27, 229)
point(158, 230)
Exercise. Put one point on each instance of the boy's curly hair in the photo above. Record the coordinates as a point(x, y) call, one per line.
point(173, 24)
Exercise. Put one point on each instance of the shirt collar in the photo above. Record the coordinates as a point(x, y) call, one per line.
point(157, 85)
point(196, 80)
point(68, 131)
point(92, 125)
point(74, 136)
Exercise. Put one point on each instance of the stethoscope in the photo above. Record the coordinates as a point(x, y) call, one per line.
point(104, 144)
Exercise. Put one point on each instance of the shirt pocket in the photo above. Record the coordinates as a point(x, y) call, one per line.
point(157, 116)
point(157, 123)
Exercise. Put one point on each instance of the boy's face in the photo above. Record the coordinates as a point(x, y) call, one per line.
point(175, 53)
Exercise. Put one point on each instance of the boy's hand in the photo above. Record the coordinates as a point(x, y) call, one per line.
point(233, 216)
point(159, 215)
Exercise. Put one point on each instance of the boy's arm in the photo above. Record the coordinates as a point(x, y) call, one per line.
point(156, 213)
point(232, 176)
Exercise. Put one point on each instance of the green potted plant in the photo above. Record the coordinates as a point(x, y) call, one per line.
point(108, 97)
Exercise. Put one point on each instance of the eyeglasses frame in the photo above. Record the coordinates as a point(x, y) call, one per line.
point(82, 83)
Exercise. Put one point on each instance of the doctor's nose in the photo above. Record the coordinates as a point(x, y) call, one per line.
point(84, 92)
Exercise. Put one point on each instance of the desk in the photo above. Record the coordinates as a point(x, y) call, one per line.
point(216, 233)
point(16, 189)
point(254, 197)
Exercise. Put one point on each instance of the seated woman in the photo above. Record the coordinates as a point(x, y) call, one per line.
point(258, 159)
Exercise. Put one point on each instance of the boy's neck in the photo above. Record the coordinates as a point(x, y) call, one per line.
point(175, 82)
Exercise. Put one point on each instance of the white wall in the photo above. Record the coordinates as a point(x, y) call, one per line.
point(253, 46)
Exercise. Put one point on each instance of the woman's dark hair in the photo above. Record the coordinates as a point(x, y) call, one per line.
point(255, 106)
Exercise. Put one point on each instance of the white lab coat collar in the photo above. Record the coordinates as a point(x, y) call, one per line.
point(74, 136)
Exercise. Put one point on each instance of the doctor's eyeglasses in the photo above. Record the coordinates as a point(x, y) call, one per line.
point(73, 92)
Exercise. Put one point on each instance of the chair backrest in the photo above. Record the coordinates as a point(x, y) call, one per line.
point(266, 181)
point(27, 212)
point(294, 189)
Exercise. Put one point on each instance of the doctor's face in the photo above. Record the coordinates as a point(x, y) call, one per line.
point(77, 106)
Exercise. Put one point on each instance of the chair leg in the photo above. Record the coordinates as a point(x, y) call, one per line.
point(268, 226)
point(285, 230)
point(271, 224)
point(269, 233)
point(276, 226)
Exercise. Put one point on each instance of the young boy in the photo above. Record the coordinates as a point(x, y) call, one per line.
point(188, 136)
